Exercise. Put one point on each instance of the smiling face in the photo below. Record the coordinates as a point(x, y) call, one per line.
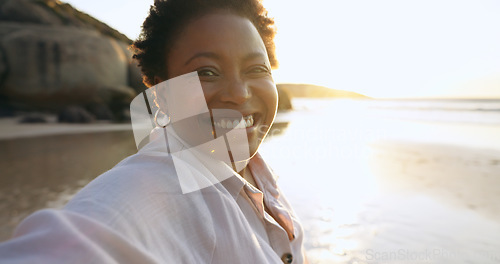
point(234, 70)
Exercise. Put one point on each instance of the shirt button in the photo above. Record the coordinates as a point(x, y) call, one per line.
point(287, 258)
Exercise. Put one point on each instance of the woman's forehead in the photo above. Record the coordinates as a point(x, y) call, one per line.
point(220, 33)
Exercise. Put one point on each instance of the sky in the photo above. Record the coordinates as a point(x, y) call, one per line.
point(383, 49)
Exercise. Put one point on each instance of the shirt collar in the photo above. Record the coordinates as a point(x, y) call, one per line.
point(233, 183)
point(160, 145)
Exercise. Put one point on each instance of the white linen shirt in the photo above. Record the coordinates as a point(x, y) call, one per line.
point(137, 213)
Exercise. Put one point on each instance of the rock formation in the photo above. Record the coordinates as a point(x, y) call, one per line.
point(294, 90)
point(284, 102)
point(53, 57)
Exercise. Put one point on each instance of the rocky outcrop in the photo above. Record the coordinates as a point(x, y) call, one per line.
point(284, 102)
point(27, 12)
point(54, 13)
point(53, 56)
point(52, 66)
point(315, 91)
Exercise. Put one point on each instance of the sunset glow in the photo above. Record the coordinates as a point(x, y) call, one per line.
point(379, 48)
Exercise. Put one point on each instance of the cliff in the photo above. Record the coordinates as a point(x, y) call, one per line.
point(54, 57)
point(55, 13)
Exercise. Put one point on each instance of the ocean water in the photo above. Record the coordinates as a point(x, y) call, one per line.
point(477, 111)
point(474, 123)
point(392, 181)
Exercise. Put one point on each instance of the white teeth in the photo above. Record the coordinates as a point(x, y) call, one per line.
point(247, 121)
point(241, 124)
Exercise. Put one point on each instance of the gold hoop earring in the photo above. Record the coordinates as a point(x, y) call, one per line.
point(164, 120)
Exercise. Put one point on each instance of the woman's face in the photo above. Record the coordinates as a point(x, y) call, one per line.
point(234, 70)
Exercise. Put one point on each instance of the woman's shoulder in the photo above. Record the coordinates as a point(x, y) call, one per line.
point(142, 185)
point(129, 189)
point(137, 207)
point(137, 173)
point(140, 198)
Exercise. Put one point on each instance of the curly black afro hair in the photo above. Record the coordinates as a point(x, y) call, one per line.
point(167, 18)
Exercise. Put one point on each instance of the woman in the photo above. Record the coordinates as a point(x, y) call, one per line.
point(197, 191)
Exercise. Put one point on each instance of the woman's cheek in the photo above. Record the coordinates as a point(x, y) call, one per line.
point(267, 87)
point(209, 91)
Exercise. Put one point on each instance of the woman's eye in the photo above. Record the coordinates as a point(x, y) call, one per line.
point(259, 69)
point(206, 73)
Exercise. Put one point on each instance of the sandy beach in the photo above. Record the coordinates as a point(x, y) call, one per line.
point(413, 200)
point(367, 190)
point(44, 165)
point(463, 176)
point(375, 192)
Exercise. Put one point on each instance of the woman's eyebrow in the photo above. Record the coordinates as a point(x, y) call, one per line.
point(254, 55)
point(203, 54)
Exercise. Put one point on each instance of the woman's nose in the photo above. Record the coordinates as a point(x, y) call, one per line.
point(236, 91)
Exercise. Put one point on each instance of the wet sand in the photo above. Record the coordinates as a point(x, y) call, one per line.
point(362, 198)
point(375, 200)
point(44, 165)
point(463, 176)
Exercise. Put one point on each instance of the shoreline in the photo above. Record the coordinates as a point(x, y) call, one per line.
point(12, 129)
